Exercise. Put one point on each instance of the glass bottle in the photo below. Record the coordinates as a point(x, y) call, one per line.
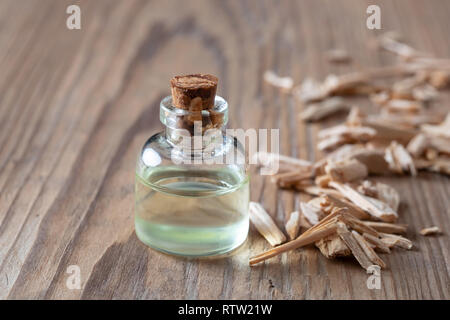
point(192, 188)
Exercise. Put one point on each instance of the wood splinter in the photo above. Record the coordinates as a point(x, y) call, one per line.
point(326, 227)
point(285, 83)
point(399, 159)
point(346, 170)
point(430, 231)
point(280, 162)
point(333, 247)
point(379, 245)
point(351, 242)
point(387, 227)
point(392, 240)
point(368, 250)
point(353, 209)
point(288, 179)
point(311, 213)
point(293, 225)
point(265, 225)
point(319, 111)
point(374, 207)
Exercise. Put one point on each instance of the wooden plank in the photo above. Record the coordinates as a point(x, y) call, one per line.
point(75, 106)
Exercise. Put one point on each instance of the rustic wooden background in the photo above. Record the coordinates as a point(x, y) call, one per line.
point(76, 106)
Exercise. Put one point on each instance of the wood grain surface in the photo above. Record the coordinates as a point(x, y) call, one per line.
point(77, 105)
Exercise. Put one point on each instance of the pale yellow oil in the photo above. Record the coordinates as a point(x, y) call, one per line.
point(192, 212)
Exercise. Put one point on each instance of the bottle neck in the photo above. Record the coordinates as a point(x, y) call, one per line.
point(194, 130)
point(200, 138)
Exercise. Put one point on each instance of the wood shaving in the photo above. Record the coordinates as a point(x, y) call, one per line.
point(351, 133)
point(439, 79)
point(346, 170)
point(332, 247)
point(404, 87)
point(430, 231)
point(373, 159)
point(332, 142)
point(282, 162)
point(376, 241)
point(416, 147)
point(389, 195)
point(317, 191)
point(425, 93)
point(310, 90)
point(299, 185)
point(293, 225)
point(341, 153)
point(381, 192)
point(392, 240)
point(312, 214)
point(265, 225)
point(441, 145)
point(409, 121)
point(442, 130)
point(385, 227)
point(392, 44)
point(353, 209)
point(398, 105)
point(345, 84)
point(349, 239)
point(399, 159)
point(322, 204)
point(374, 207)
point(357, 224)
point(304, 223)
point(368, 188)
point(350, 215)
point(323, 180)
point(288, 179)
point(319, 111)
point(389, 132)
point(438, 165)
point(370, 253)
point(338, 56)
point(305, 239)
point(336, 136)
point(431, 154)
point(285, 83)
point(355, 117)
point(339, 234)
point(380, 98)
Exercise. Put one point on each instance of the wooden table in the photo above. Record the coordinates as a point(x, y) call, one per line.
point(76, 106)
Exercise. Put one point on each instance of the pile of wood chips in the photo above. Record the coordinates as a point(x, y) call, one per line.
point(350, 214)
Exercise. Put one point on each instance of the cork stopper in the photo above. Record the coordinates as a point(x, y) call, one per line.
point(194, 92)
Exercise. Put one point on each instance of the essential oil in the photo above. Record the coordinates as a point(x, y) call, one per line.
point(192, 213)
point(186, 207)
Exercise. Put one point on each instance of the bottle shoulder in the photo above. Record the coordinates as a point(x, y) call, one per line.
point(157, 144)
point(159, 151)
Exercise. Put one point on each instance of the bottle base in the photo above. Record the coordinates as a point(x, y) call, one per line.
point(192, 250)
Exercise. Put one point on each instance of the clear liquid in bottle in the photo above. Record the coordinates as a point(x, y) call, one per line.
point(192, 212)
